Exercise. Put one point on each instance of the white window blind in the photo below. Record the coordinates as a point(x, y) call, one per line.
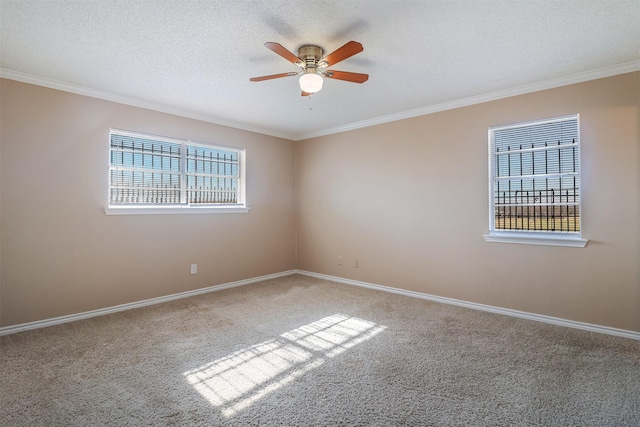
point(155, 171)
point(534, 174)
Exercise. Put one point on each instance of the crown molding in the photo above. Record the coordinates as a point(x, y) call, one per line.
point(134, 102)
point(584, 76)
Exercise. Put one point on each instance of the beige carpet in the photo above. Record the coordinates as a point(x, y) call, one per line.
point(299, 351)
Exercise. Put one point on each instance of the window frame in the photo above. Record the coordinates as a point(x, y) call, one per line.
point(534, 237)
point(186, 207)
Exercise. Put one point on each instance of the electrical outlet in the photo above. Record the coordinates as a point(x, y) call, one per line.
point(194, 268)
point(339, 260)
point(357, 264)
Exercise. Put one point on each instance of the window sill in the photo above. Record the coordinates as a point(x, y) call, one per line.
point(173, 210)
point(537, 239)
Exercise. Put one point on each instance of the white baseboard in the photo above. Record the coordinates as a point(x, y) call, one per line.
point(508, 312)
point(492, 309)
point(102, 311)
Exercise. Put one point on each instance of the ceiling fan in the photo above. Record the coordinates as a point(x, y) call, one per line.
point(313, 65)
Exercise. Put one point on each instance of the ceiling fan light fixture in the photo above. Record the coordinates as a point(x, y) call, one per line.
point(311, 82)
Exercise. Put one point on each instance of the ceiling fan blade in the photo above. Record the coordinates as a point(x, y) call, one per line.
point(273, 76)
point(306, 93)
point(347, 76)
point(342, 53)
point(282, 51)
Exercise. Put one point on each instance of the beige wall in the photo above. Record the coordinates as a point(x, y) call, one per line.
point(62, 255)
point(409, 201)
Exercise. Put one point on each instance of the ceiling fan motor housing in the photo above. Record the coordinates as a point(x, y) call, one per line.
point(310, 55)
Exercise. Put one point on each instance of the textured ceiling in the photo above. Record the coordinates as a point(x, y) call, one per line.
point(195, 58)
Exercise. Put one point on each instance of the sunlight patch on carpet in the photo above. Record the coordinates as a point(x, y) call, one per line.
point(236, 381)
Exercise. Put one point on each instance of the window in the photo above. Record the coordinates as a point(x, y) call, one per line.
point(534, 183)
point(163, 175)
